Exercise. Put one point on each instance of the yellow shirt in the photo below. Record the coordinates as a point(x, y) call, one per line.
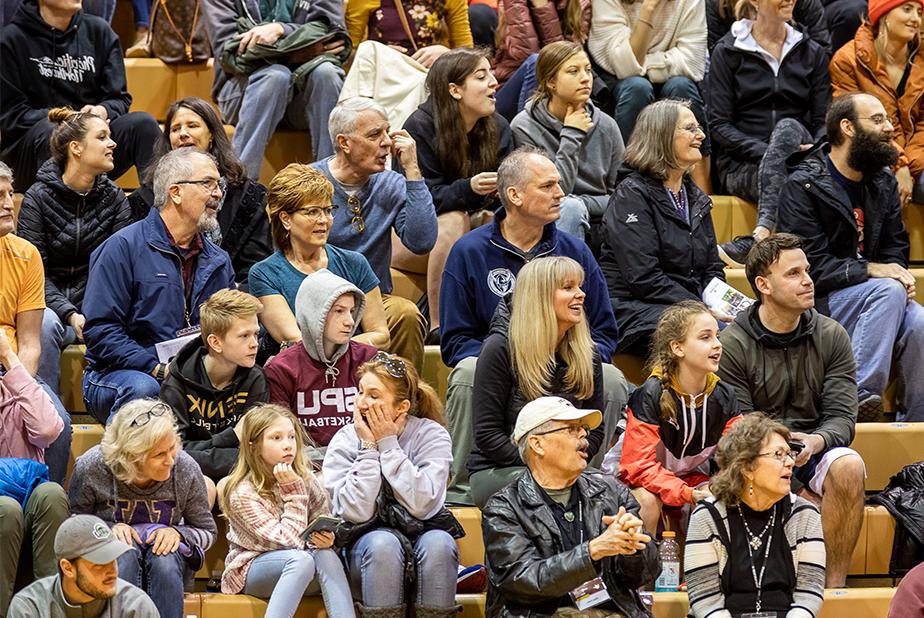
point(22, 282)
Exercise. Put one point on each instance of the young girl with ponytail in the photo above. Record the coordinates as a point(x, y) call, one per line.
point(676, 417)
point(270, 499)
point(396, 451)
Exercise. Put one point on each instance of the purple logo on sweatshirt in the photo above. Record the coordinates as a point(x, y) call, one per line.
point(143, 511)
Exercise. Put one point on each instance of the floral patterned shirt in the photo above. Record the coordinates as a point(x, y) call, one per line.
point(422, 17)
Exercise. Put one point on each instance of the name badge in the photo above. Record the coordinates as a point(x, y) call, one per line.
point(590, 594)
point(759, 615)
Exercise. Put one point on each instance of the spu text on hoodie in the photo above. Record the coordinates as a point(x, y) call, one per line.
point(320, 390)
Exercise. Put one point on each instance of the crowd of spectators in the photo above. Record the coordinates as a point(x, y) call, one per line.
point(250, 358)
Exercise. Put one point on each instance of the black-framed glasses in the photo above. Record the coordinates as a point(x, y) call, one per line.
point(210, 184)
point(317, 213)
point(781, 455)
point(356, 216)
point(573, 430)
point(394, 365)
point(157, 410)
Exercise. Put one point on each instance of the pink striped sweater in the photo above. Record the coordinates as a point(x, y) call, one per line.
point(260, 524)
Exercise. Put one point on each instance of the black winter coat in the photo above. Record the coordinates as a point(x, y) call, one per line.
point(746, 100)
point(651, 257)
point(497, 399)
point(529, 569)
point(903, 497)
point(810, 14)
point(813, 206)
point(244, 224)
point(66, 227)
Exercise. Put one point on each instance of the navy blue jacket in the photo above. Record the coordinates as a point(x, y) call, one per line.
point(482, 268)
point(135, 296)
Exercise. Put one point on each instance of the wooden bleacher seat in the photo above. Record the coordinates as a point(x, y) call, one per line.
point(914, 222)
point(887, 448)
point(84, 438)
point(732, 216)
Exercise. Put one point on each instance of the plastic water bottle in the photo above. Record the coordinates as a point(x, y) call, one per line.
point(669, 579)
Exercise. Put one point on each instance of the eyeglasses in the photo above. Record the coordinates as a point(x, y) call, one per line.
point(158, 410)
point(356, 221)
point(394, 365)
point(781, 455)
point(316, 214)
point(573, 430)
point(876, 119)
point(692, 129)
point(210, 184)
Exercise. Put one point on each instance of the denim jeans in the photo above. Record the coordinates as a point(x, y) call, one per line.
point(105, 393)
point(573, 217)
point(511, 98)
point(58, 452)
point(142, 9)
point(376, 568)
point(55, 337)
point(256, 104)
point(883, 325)
point(162, 577)
point(634, 93)
point(286, 575)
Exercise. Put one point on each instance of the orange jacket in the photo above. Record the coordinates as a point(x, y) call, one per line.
point(855, 68)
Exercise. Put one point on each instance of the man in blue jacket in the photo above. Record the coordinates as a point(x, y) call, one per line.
point(146, 283)
point(482, 268)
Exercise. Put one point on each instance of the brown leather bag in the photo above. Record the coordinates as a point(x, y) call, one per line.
point(178, 33)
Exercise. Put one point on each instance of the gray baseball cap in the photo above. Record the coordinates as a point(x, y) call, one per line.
point(87, 537)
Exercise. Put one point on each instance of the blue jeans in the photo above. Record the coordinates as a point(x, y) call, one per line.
point(55, 337)
point(573, 217)
point(59, 451)
point(883, 325)
point(162, 577)
point(376, 568)
point(513, 95)
point(142, 9)
point(286, 575)
point(633, 94)
point(105, 393)
point(256, 104)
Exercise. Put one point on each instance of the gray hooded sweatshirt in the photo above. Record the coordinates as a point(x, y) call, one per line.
point(587, 162)
point(320, 390)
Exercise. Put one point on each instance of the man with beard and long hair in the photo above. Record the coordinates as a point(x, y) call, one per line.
point(845, 204)
point(147, 281)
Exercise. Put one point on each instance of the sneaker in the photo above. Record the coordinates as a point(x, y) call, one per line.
point(735, 252)
point(870, 409)
point(472, 580)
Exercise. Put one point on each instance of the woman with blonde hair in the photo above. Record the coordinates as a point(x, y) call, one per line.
point(300, 211)
point(584, 142)
point(389, 470)
point(270, 499)
point(152, 495)
point(885, 60)
point(659, 246)
point(539, 345)
point(774, 535)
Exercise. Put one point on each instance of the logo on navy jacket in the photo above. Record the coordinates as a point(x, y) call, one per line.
point(501, 281)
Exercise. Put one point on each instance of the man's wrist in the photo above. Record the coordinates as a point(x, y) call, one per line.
point(412, 171)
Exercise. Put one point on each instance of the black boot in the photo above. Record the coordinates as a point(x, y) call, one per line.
point(395, 611)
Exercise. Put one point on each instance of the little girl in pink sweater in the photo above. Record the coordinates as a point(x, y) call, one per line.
point(270, 498)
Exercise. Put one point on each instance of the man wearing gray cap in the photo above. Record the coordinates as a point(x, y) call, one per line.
point(561, 540)
point(87, 584)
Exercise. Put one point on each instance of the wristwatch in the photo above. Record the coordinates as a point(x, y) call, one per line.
point(368, 445)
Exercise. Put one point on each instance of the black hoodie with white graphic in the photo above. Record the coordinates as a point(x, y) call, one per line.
point(44, 67)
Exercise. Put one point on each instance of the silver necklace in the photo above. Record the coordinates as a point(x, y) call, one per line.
point(758, 580)
point(756, 540)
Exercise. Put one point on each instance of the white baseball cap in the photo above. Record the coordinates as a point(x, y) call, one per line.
point(545, 409)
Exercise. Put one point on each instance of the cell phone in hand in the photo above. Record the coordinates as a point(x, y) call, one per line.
point(322, 523)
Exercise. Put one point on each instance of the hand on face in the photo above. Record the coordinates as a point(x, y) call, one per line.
point(284, 473)
point(404, 148)
point(381, 425)
point(362, 428)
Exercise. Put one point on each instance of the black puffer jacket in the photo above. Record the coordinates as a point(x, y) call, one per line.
point(530, 570)
point(244, 225)
point(497, 399)
point(651, 257)
point(66, 227)
point(903, 497)
point(818, 210)
point(746, 100)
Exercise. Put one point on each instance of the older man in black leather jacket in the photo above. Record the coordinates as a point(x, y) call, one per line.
point(559, 528)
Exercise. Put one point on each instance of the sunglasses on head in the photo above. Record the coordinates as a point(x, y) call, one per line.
point(394, 365)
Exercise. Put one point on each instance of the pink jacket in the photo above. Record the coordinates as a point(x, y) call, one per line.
point(28, 419)
point(524, 30)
